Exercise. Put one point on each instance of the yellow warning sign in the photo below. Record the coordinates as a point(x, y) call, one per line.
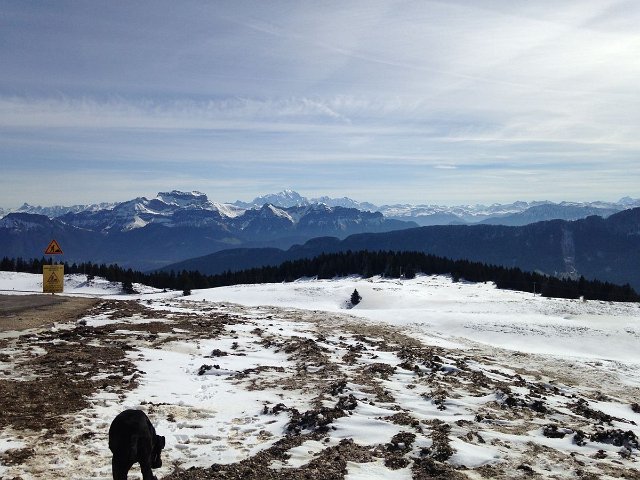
point(52, 278)
point(53, 249)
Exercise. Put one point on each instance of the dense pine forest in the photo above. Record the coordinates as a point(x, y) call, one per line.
point(365, 263)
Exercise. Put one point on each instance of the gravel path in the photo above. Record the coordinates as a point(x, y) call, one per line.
point(23, 312)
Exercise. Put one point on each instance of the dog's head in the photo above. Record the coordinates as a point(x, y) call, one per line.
point(158, 445)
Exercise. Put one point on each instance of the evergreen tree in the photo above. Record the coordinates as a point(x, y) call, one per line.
point(355, 297)
point(187, 283)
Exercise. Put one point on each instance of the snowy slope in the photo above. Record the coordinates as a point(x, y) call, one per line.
point(420, 369)
point(436, 307)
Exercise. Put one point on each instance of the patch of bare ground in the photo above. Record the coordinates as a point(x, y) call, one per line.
point(46, 387)
point(16, 456)
point(24, 312)
point(314, 371)
point(163, 325)
point(330, 464)
point(55, 372)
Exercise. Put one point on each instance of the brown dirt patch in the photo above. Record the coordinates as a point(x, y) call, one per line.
point(59, 382)
point(54, 373)
point(23, 312)
point(330, 464)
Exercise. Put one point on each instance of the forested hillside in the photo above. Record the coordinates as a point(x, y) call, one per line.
point(364, 263)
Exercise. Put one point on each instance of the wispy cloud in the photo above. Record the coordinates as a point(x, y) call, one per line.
point(407, 97)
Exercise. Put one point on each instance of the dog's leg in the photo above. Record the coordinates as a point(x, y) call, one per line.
point(119, 469)
point(145, 466)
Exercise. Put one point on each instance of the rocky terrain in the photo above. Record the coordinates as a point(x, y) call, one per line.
point(267, 392)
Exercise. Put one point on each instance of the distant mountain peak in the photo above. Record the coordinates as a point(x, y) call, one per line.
point(183, 199)
point(290, 198)
point(628, 201)
point(283, 199)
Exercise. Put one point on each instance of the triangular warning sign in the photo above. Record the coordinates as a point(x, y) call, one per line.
point(53, 278)
point(53, 249)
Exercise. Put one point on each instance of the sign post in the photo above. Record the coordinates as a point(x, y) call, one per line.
point(53, 275)
point(52, 278)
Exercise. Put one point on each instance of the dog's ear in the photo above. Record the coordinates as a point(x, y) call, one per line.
point(160, 441)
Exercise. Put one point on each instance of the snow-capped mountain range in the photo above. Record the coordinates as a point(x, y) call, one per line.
point(194, 209)
point(178, 208)
point(145, 233)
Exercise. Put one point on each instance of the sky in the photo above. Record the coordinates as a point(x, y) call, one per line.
point(439, 102)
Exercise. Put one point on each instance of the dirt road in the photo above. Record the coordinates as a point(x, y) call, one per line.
point(22, 312)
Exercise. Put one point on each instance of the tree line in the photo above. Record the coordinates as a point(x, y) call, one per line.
point(365, 263)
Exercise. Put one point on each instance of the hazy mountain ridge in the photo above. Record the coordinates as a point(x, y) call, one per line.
point(517, 213)
point(181, 209)
point(551, 211)
point(149, 233)
point(603, 249)
point(144, 234)
point(58, 210)
point(139, 212)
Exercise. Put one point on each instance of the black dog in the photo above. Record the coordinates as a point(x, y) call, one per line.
point(133, 439)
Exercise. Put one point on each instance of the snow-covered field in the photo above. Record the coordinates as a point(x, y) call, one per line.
point(13, 283)
point(424, 377)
